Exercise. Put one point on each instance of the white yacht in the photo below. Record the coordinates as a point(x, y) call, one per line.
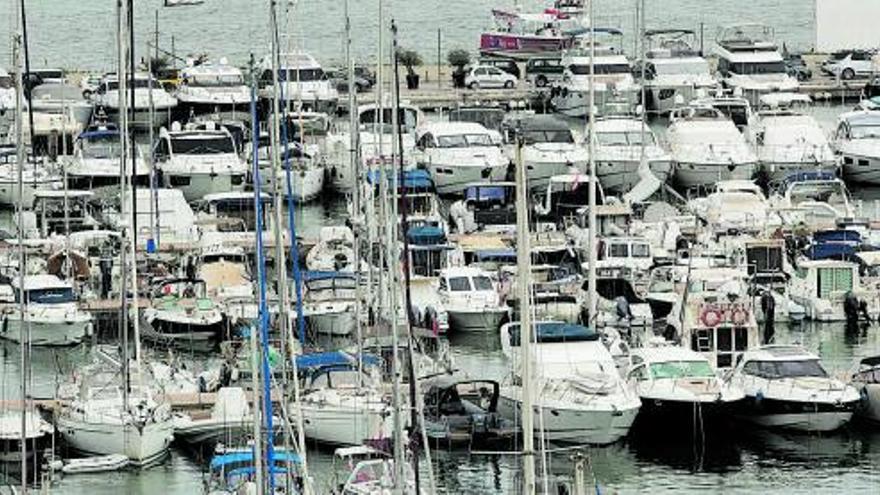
point(579, 395)
point(334, 251)
point(53, 317)
point(302, 80)
point(225, 269)
point(146, 89)
point(230, 420)
point(459, 153)
point(787, 387)
point(614, 87)
point(749, 61)
point(816, 199)
point(339, 404)
point(199, 162)
point(857, 141)
point(182, 315)
point(821, 286)
point(63, 99)
point(304, 157)
point(707, 147)
point(329, 302)
point(214, 89)
point(790, 142)
point(36, 177)
point(37, 433)
point(94, 165)
point(675, 72)
point(679, 386)
point(471, 300)
point(549, 148)
point(619, 147)
point(734, 204)
point(98, 420)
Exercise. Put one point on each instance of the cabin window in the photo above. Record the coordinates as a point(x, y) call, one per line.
point(618, 250)
point(459, 284)
point(833, 279)
point(785, 369)
point(847, 160)
point(682, 369)
point(864, 163)
point(179, 180)
point(641, 251)
point(482, 283)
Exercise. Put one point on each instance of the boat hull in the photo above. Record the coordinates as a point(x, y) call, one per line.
point(690, 175)
point(796, 415)
point(196, 186)
point(47, 333)
point(341, 323)
point(140, 445)
point(334, 425)
point(622, 175)
point(870, 407)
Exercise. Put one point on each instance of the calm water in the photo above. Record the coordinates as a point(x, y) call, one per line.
point(80, 34)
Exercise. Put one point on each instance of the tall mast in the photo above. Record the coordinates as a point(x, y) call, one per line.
point(380, 163)
point(123, 202)
point(644, 114)
point(524, 271)
point(591, 276)
point(22, 307)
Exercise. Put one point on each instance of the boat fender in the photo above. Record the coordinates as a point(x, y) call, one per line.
point(739, 316)
point(710, 317)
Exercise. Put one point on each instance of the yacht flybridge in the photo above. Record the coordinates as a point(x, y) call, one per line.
point(302, 81)
point(749, 61)
point(214, 89)
point(147, 93)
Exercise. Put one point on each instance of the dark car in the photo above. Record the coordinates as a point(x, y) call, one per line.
point(796, 67)
point(504, 64)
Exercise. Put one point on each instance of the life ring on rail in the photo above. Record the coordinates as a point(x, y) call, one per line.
point(739, 316)
point(710, 317)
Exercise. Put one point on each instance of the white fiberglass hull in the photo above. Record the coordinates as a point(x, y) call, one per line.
point(340, 323)
point(689, 175)
point(623, 175)
point(48, 332)
point(573, 423)
point(196, 186)
point(454, 179)
point(870, 406)
point(805, 421)
point(350, 422)
point(140, 445)
point(861, 169)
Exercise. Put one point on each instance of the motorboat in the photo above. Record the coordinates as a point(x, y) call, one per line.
point(63, 99)
point(566, 197)
point(822, 286)
point(94, 165)
point(230, 421)
point(679, 386)
point(230, 219)
point(150, 100)
point(621, 145)
point(579, 395)
point(459, 153)
point(857, 141)
point(866, 379)
point(734, 204)
point(770, 272)
point(787, 387)
point(471, 300)
point(301, 79)
point(334, 251)
point(35, 177)
point(214, 89)
point(329, 301)
point(549, 148)
point(790, 142)
point(339, 403)
point(675, 72)
point(614, 88)
point(51, 313)
point(231, 469)
point(100, 419)
point(461, 411)
point(736, 108)
point(300, 162)
point(707, 147)
point(486, 207)
point(181, 315)
point(715, 317)
point(749, 61)
point(225, 271)
point(37, 434)
point(199, 162)
point(520, 33)
point(815, 199)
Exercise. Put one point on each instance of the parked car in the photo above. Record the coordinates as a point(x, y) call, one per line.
point(848, 64)
point(543, 71)
point(505, 64)
point(339, 78)
point(797, 67)
point(486, 76)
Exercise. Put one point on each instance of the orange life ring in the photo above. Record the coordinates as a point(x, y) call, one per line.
point(710, 317)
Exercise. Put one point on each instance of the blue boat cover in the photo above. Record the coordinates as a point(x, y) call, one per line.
point(239, 457)
point(109, 133)
point(318, 360)
point(426, 235)
point(314, 275)
point(496, 255)
point(809, 176)
point(416, 179)
point(834, 244)
point(557, 331)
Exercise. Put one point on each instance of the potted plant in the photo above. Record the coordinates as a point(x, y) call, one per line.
point(410, 59)
point(458, 58)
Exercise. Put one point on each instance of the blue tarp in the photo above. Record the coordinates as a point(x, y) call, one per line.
point(550, 332)
point(426, 235)
point(218, 461)
point(314, 275)
point(809, 176)
point(497, 255)
point(416, 179)
point(320, 360)
point(834, 244)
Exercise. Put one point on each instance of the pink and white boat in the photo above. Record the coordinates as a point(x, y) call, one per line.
point(515, 33)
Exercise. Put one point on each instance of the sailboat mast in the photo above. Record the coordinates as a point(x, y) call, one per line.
point(644, 108)
point(524, 271)
point(378, 128)
point(591, 274)
point(22, 305)
point(122, 79)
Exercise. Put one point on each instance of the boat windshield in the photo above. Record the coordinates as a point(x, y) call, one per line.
point(482, 282)
point(52, 295)
point(101, 148)
point(464, 140)
point(302, 75)
point(624, 138)
point(830, 192)
point(865, 131)
point(785, 369)
point(682, 369)
point(202, 146)
point(551, 136)
point(600, 69)
point(757, 68)
point(459, 284)
point(214, 81)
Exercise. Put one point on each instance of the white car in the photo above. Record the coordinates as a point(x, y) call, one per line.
point(848, 65)
point(486, 76)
